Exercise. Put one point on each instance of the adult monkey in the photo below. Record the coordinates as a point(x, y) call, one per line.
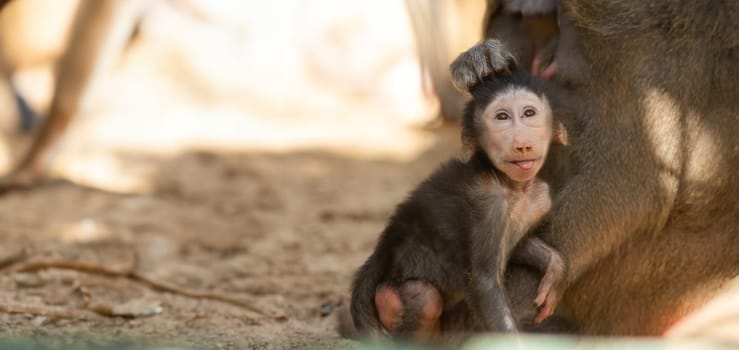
point(651, 196)
point(99, 33)
point(649, 222)
point(442, 29)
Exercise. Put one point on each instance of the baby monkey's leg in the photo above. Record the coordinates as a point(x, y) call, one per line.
point(535, 252)
point(412, 310)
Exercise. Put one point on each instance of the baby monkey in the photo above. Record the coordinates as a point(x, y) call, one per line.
point(439, 264)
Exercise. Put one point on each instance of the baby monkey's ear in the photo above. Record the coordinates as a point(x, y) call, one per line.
point(559, 134)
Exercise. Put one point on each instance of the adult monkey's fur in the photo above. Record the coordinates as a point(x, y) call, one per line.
point(648, 220)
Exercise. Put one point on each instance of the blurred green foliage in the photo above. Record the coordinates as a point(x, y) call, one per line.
point(548, 342)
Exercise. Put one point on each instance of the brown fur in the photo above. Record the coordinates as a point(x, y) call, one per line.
point(449, 242)
point(525, 27)
point(649, 221)
point(658, 147)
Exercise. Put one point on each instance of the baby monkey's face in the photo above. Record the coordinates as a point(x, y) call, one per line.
point(515, 130)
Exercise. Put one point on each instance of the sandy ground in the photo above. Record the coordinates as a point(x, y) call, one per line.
point(282, 231)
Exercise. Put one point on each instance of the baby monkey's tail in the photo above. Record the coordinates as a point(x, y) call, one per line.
point(364, 318)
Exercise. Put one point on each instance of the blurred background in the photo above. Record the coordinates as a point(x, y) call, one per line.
point(250, 150)
point(228, 75)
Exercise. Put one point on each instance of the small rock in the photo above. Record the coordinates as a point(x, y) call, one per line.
point(328, 307)
point(28, 280)
point(132, 308)
point(38, 321)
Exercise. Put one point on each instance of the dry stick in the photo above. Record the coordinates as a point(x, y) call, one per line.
point(107, 310)
point(12, 258)
point(41, 311)
point(43, 264)
point(31, 266)
point(230, 299)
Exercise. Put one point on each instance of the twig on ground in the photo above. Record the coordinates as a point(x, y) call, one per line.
point(12, 258)
point(47, 311)
point(129, 272)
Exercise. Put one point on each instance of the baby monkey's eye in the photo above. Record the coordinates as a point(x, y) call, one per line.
point(502, 116)
point(529, 112)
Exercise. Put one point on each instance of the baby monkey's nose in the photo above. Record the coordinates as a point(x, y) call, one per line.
point(523, 147)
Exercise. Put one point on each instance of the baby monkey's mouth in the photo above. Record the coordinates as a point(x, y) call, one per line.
point(524, 164)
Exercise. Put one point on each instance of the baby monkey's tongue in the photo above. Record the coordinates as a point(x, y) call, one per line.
point(524, 164)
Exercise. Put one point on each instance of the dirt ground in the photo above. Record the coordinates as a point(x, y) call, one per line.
point(283, 231)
